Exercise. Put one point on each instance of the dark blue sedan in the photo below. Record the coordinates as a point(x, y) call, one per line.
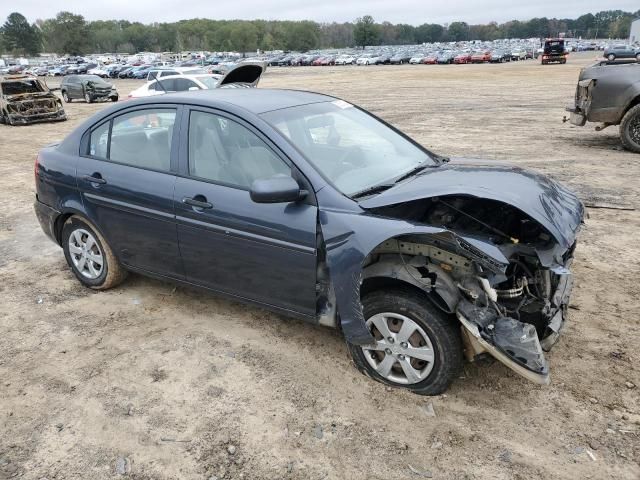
point(310, 206)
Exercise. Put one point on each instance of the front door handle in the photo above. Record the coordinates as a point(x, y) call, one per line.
point(198, 201)
point(95, 178)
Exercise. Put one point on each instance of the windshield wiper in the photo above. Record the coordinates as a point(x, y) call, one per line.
point(385, 186)
point(414, 171)
point(372, 190)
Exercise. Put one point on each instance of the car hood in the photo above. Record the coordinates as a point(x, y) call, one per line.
point(552, 205)
point(244, 74)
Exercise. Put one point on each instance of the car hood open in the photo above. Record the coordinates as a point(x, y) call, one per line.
point(246, 74)
point(555, 207)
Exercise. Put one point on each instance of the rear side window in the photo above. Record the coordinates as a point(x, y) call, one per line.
point(99, 141)
point(166, 85)
point(139, 139)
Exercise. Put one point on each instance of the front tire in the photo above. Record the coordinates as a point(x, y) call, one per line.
point(611, 57)
point(417, 346)
point(89, 255)
point(66, 97)
point(630, 129)
point(87, 97)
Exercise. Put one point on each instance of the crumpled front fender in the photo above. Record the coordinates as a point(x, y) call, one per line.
point(350, 237)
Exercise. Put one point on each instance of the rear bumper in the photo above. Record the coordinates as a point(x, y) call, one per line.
point(576, 117)
point(47, 217)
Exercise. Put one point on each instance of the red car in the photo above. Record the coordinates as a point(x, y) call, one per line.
point(317, 62)
point(462, 58)
point(430, 60)
point(481, 57)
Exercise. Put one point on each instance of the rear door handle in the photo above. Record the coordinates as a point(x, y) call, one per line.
point(197, 203)
point(95, 178)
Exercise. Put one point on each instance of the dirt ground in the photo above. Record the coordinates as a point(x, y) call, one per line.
point(158, 382)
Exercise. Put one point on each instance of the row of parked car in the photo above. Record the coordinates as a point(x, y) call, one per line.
point(117, 70)
point(382, 58)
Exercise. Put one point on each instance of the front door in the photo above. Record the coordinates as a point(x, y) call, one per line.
point(127, 182)
point(262, 252)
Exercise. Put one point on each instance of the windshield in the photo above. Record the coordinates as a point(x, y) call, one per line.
point(352, 149)
point(22, 86)
point(91, 78)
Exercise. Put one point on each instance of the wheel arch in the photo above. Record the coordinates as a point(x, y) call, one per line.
point(349, 241)
point(634, 101)
point(65, 215)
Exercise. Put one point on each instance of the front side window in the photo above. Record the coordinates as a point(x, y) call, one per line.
point(351, 148)
point(143, 138)
point(223, 151)
point(184, 84)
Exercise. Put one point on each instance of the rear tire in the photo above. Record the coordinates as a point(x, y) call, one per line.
point(630, 129)
point(611, 57)
point(90, 256)
point(435, 333)
point(66, 97)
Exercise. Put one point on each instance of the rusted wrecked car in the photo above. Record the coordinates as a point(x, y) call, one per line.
point(310, 206)
point(25, 99)
point(609, 94)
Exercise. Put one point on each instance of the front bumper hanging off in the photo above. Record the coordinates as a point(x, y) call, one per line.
point(511, 342)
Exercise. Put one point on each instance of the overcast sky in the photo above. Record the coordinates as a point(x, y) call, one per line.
point(396, 11)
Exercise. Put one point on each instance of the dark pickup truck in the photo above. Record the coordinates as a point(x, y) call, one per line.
point(609, 93)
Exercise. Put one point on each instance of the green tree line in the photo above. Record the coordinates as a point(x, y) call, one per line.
point(69, 33)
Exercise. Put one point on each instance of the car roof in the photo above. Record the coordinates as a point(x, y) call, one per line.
point(254, 100)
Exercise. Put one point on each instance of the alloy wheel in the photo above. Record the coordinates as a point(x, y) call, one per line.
point(86, 254)
point(403, 352)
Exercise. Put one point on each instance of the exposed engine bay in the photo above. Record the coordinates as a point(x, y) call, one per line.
point(514, 314)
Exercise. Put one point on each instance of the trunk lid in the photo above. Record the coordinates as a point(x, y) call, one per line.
point(243, 75)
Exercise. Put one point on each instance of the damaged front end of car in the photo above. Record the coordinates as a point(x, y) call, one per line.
point(489, 245)
point(30, 108)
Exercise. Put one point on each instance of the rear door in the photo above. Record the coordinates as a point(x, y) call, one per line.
point(262, 252)
point(127, 178)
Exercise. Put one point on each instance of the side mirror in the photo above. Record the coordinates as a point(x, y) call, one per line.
point(278, 189)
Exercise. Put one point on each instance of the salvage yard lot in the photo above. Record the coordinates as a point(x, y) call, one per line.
point(161, 382)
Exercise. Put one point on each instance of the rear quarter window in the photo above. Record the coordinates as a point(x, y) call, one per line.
point(99, 140)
